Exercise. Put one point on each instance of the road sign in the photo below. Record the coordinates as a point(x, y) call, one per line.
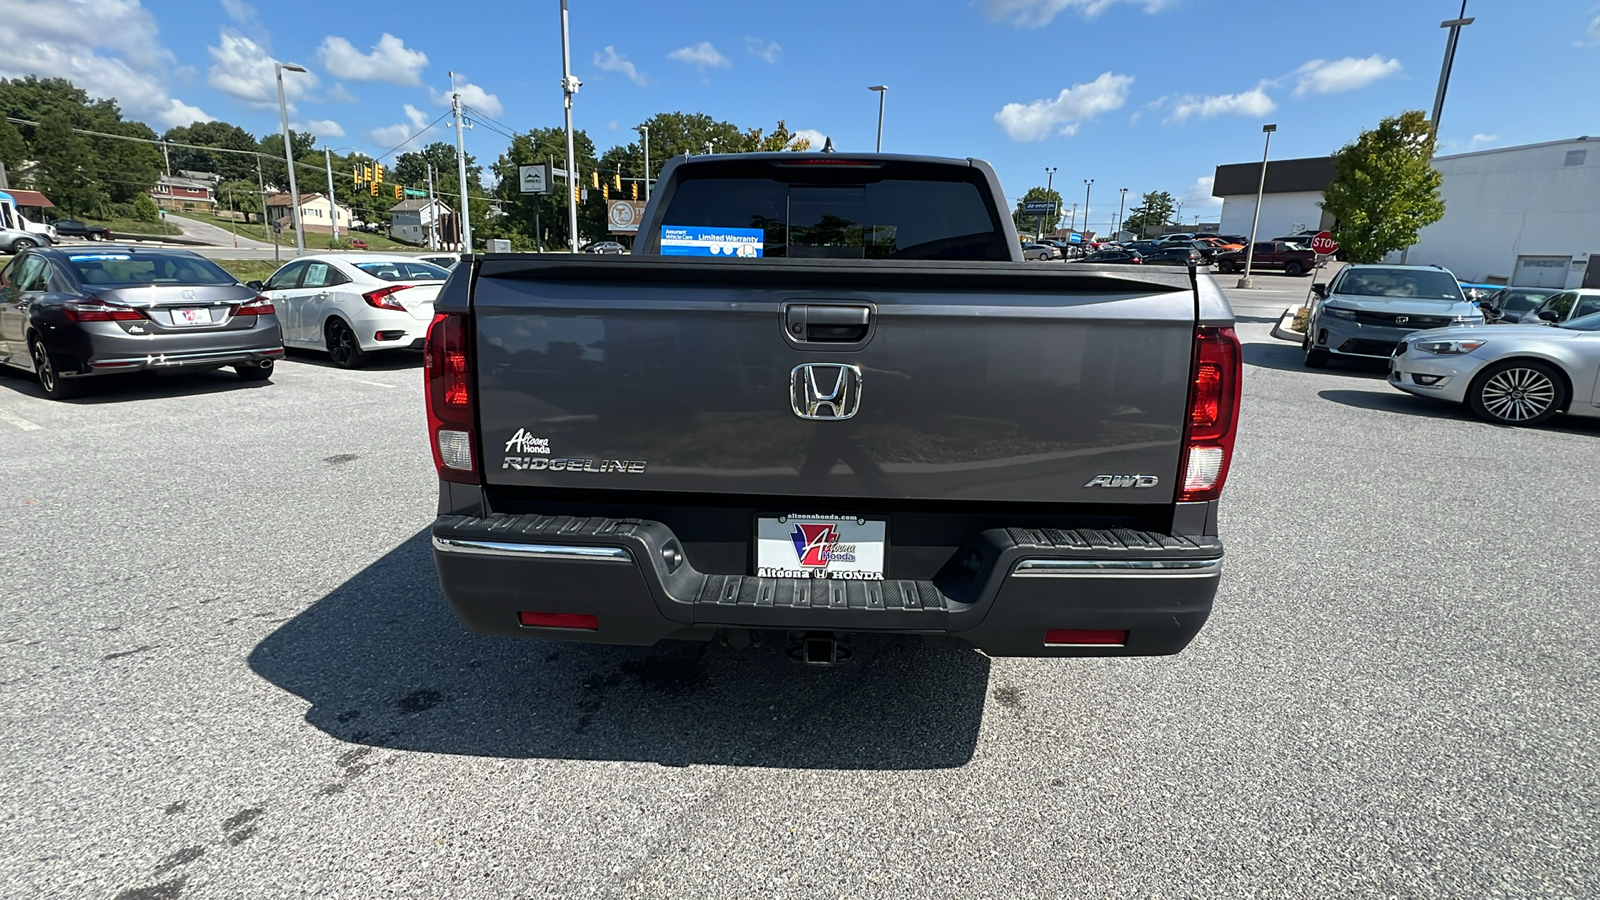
point(416, 192)
point(1324, 244)
point(534, 179)
point(622, 216)
point(1039, 207)
point(1074, 238)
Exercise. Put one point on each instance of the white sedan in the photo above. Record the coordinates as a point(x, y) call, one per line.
point(1508, 374)
point(354, 305)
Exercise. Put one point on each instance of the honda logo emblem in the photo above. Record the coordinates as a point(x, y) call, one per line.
point(1401, 320)
point(825, 390)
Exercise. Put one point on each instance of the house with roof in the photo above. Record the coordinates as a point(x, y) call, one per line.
point(415, 220)
point(181, 193)
point(317, 213)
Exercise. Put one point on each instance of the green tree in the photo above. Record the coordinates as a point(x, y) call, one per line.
point(240, 196)
point(145, 209)
point(1154, 211)
point(1032, 223)
point(549, 210)
point(231, 166)
point(63, 172)
point(273, 168)
point(13, 150)
point(1384, 188)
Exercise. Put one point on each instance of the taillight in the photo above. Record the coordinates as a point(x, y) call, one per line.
point(260, 306)
point(382, 299)
point(1213, 413)
point(93, 309)
point(447, 375)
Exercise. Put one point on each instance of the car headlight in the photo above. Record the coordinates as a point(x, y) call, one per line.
point(1467, 320)
point(1449, 348)
point(1338, 313)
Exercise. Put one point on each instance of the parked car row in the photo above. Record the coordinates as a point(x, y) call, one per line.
point(69, 314)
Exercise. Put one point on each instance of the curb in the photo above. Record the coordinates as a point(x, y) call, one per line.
point(1283, 331)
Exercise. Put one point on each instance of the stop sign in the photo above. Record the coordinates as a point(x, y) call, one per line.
point(1324, 243)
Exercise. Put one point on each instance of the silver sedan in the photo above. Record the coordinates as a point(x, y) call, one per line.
point(1508, 374)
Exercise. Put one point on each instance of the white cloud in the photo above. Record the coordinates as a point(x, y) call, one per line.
point(768, 52)
point(611, 61)
point(393, 135)
point(1035, 121)
point(239, 11)
point(473, 96)
point(702, 56)
point(338, 94)
point(1591, 35)
point(1039, 13)
point(1480, 141)
point(390, 60)
point(816, 138)
point(614, 125)
point(1322, 77)
point(1253, 102)
point(243, 69)
point(110, 48)
point(322, 128)
point(1197, 198)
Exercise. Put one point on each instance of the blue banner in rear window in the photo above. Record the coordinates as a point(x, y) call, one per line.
point(691, 240)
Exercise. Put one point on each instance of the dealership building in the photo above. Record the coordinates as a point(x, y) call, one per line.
point(1526, 215)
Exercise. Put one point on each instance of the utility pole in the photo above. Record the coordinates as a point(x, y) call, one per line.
point(1255, 221)
point(569, 86)
point(1072, 225)
point(1120, 221)
point(461, 164)
point(166, 151)
point(333, 202)
point(433, 214)
point(1088, 183)
point(645, 130)
point(262, 184)
point(1049, 180)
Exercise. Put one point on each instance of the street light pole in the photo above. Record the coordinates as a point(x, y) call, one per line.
point(1049, 181)
point(882, 91)
point(1120, 205)
point(569, 86)
point(288, 154)
point(1072, 224)
point(1255, 220)
point(1088, 183)
point(645, 130)
point(1455, 25)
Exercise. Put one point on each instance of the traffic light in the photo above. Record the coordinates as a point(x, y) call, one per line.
point(355, 173)
point(377, 173)
point(616, 181)
point(605, 192)
point(634, 187)
point(577, 192)
point(373, 187)
point(366, 174)
point(595, 177)
point(398, 191)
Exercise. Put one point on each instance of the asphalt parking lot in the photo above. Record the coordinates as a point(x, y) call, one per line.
point(226, 671)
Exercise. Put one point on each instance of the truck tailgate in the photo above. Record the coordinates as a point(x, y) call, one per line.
point(975, 381)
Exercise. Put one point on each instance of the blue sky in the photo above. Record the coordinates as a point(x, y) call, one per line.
point(1143, 94)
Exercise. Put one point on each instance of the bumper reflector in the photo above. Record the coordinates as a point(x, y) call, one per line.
point(1081, 637)
point(559, 620)
point(455, 449)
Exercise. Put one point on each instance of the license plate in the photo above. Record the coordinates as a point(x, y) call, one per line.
point(835, 547)
point(191, 317)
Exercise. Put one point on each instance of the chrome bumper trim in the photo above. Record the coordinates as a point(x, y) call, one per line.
point(188, 356)
point(1116, 568)
point(531, 551)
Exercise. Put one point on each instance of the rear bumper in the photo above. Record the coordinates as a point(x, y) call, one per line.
point(1012, 587)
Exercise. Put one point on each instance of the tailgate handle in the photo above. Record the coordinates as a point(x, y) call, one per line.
point(827, 324)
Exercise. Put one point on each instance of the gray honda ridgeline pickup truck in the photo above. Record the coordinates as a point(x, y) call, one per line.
point(825, 395)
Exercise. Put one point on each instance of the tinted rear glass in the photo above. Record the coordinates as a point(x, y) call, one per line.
point(1429, 284)
point(147, 268)
point(403, 271)
point(887, 219)
point(1522, 301)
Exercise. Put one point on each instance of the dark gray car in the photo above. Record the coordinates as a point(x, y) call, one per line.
point(66, 314)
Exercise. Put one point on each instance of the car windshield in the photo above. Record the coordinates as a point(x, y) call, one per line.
point(124, 269)
point(403, 271)
point(1584, 323)
point(1521, 301)
point(1429, 284)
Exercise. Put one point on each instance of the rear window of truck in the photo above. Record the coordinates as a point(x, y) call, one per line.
point(882, 219)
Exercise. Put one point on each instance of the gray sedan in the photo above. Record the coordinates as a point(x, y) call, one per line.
point(68, 314)
point(1508, 374)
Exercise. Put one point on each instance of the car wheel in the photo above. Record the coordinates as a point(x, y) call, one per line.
point(24, 244)
point(343, 347)
point(1315, 358)
point(55, 387)
point(255, 371)
point(1517, 392)
point(1226, 267)
point(1294, 270)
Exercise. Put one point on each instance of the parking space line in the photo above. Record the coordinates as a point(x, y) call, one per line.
point(376, 383)
point(14, 419)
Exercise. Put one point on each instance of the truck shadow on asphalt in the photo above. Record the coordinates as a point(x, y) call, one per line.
point(380, 361)
point(383, 662)
point(123, 388)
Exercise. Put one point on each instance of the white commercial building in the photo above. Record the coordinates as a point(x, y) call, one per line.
point(1527, 215)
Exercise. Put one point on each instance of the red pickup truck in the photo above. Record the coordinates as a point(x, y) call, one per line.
point(1293, 259)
